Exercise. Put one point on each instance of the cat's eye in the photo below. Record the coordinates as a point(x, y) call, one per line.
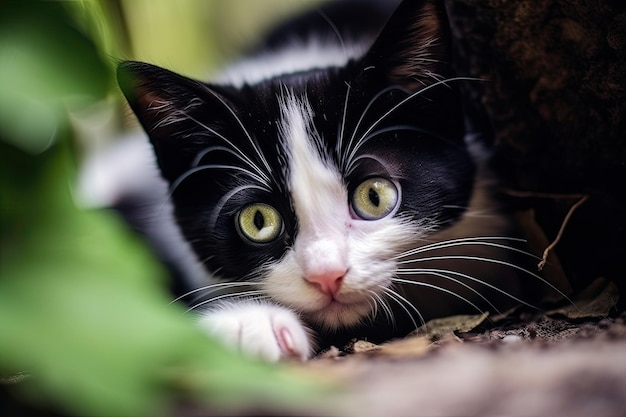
point(260, 223)
point(374, 198)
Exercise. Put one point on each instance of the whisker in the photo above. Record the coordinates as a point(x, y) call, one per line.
point(471, 241)
point(237, 154)
point(343, 121)
point(435, 287)
point(252, 294)
point(354, 165)
point(449, 278)
point(358, 124)
point(239, 151)
point(412, 96)
point(401, 301)
point(335, 29)
point(373, 306)
point(197, 169)
point(222, 201)
point(243, 128)
point(378, 300)
point(365, 139)
point(441, 273)
point(213, 287)
point(493, 261)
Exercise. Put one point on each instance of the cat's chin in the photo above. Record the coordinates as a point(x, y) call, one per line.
point(337, 314)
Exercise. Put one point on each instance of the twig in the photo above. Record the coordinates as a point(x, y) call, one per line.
point(546, 252)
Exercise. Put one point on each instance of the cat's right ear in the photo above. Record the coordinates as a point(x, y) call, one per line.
point(169, 107)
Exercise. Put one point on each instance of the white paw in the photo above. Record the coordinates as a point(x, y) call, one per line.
point(264, 331)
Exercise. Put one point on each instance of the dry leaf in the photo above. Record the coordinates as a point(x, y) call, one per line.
point(437, 328)
point(405, 347)
point(409, 346)
point(331, 353)
point(361, 346)
point(596, 301)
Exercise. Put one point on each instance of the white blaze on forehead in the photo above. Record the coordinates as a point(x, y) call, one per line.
point(315, 183)
point(329, 244)
point(317, 190)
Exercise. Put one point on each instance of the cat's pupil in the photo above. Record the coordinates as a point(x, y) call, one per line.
point(374, 197)
point(259, 220)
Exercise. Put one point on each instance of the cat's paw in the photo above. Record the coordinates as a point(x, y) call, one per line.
point(260, 330)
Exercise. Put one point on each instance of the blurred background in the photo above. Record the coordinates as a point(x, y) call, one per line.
point(63, 50)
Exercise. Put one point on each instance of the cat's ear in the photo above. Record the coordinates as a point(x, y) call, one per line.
point(170, 107)
point(413, 50)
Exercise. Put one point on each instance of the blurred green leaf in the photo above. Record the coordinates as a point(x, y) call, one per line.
point(83, 306)
point(45, 66)
point(82, 309)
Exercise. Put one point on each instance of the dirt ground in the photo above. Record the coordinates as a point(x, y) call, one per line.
point(567, 362)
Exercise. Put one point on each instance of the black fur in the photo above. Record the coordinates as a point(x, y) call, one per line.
point(425, 151)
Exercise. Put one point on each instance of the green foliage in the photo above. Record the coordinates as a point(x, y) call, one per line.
point(83, 308)
point(46, 65)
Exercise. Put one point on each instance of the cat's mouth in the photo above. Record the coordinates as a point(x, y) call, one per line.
point(339, 312)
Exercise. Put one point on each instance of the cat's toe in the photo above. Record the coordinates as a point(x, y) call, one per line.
point(264, 331)
point(292, 338)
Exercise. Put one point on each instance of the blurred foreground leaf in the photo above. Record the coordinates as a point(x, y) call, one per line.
point(83, 307)
point(82, 310)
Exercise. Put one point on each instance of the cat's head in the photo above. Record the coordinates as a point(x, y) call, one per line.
point(312, 183)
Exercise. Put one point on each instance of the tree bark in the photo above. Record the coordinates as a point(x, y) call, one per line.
point(554, 106)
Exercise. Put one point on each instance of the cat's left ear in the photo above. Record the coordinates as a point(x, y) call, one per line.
point(413, 50)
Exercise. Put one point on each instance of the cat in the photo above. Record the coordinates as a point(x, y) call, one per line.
point(326, 185)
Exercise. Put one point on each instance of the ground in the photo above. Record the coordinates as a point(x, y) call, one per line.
point(567, 362)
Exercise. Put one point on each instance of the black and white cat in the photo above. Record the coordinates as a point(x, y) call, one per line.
point(325, 183)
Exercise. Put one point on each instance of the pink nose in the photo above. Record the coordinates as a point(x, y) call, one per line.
point(328, 282)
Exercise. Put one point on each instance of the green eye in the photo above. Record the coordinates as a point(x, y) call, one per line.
point(260, 223)
point(374, 198)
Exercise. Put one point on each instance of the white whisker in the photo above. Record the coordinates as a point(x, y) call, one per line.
point(254, 294)
point(471, 241)
point(200, 168)
point(354, 165)
point(435, 287)
point(236, 152)
point(412, 96)
point(493, 261)
point(335, 29)
point(378, 300)
point(401, 301)
point(365, 139)
point(448, 278)
point(343, 121)
point(239, 151)
point(441, 273)
point(222, 202)
point(213, 287)
point(363, 114)
point(243, 128)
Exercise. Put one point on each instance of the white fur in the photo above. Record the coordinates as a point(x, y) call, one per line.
point(316, 190)
point(296, 57)
point(125, 168)
point(328, 236)
point(261, 330)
